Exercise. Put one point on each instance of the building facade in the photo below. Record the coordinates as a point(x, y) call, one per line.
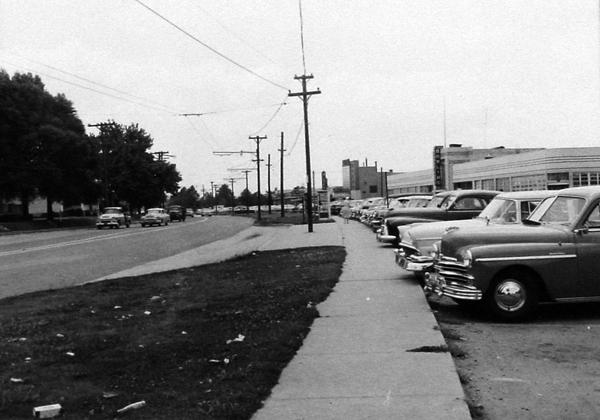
point(362, 181)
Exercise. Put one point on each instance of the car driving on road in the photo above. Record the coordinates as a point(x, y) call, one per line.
point(113, 217)
point(155, 216)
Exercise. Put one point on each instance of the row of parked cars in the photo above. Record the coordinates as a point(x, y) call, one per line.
point(115, 217)
point(502, 253)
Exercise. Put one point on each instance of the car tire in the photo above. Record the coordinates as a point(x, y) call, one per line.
point(512, 297)
point(143, 225)
point(166, 223)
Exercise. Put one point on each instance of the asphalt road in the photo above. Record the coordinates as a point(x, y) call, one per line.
point(57, 259)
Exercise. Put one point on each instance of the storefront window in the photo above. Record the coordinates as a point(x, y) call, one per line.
point(529, 183)
point(503, 184)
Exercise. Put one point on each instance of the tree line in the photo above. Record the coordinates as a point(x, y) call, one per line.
point(46, 152)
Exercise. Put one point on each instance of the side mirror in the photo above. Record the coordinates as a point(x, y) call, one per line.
point(585, 229)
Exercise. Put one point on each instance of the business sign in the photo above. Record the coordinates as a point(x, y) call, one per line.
point(437, 167)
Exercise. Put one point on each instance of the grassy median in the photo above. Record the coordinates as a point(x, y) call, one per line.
point(202, 343)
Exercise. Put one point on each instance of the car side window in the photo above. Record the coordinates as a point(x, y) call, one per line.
point(593, 220)
point(469, 203)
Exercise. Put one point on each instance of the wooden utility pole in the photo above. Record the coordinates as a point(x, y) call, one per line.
point(258, 139)
point(281, 178)
point(269, 182)
point(305, 95)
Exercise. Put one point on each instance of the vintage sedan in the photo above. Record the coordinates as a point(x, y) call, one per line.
point(554, 256)
point(448, 205)
point(407, 201)
point(177, 213)
point(416, 250)
point(155, 216)
point(113, 217)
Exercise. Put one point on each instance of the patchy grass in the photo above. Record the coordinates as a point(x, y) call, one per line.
point(202, 343)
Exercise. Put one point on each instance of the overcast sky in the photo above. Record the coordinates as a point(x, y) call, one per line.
point(507, 73)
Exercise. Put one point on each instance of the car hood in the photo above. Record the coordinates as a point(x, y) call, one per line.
point(109, 216)
point(490, 235)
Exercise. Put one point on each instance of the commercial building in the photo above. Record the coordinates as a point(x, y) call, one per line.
point(363, 181)
point(502, 169)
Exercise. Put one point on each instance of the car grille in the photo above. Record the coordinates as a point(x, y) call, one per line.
point(452, 271)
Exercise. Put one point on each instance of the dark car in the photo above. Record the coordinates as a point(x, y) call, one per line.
point(554, 256)
point(177, 213)
point(448, 205)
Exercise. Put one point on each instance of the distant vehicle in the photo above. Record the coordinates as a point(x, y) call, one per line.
point(177, 213)
point(113, 217)
point(189, 213)
point(155, 216)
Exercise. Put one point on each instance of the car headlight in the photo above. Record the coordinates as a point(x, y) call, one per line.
point(467, 258)
point(435, 253)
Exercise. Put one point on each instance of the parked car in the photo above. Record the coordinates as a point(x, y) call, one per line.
point(398, 203)
point(416, 250)
point(113, 217)
point(177, 213)
point(155, 216)
point(554, 256)
point(448, 205)
point(189, 213)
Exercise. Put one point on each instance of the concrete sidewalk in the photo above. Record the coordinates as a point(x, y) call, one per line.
point(356, 363)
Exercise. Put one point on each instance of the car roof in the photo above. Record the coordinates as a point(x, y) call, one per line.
point(156, 208)
point(521, 195)
point(587, 192)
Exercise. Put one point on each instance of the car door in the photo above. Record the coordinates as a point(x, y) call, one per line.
point(587, 239)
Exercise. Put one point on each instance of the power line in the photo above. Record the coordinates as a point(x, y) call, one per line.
point(83, 87)
point(92, 82)
point(210, 48)
point(271, 119)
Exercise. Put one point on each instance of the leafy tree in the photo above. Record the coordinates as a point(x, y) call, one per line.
point(186, 197)
point(130, 174)
point(224, 195)
point(43, 148)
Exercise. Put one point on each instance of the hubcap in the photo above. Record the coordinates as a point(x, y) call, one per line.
point(510, 296)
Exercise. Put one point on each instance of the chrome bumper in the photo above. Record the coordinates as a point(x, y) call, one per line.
point(435, 283)
point(416, 263)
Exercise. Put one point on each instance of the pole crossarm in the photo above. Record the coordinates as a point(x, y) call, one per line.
point(241, 152)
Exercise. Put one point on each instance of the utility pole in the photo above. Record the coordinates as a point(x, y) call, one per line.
point(258, 139)
point(281, 178)
point(105, 181)
point(305, 95)
point(269, 182)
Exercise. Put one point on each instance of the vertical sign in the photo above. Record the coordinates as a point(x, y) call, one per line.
point(437, 167)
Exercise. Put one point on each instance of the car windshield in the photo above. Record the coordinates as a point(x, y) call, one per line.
point(112, 211)
point(155, 211)
point(500, 211)
point(437, 201)
point(558, 210)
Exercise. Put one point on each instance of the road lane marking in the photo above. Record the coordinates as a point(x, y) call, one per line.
point(80, 241)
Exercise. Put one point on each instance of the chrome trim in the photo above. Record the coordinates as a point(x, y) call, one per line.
point(539, 257)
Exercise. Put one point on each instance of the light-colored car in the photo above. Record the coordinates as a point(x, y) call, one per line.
point(113, 217)
point(553, 256)
point(416, 250)
point(155, 216)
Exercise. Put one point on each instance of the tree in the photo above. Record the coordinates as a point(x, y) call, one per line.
point(186, 197)
point(225, 196)
point(130, 174)
point(43, 148)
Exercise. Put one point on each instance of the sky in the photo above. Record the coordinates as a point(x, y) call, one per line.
point(397, 77)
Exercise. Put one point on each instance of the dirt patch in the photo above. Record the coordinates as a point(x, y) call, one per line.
point(548, 368)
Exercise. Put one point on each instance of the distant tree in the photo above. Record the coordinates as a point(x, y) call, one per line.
point(246, 198)
point(225, 196)
point(130, 173)
point(186, 197)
